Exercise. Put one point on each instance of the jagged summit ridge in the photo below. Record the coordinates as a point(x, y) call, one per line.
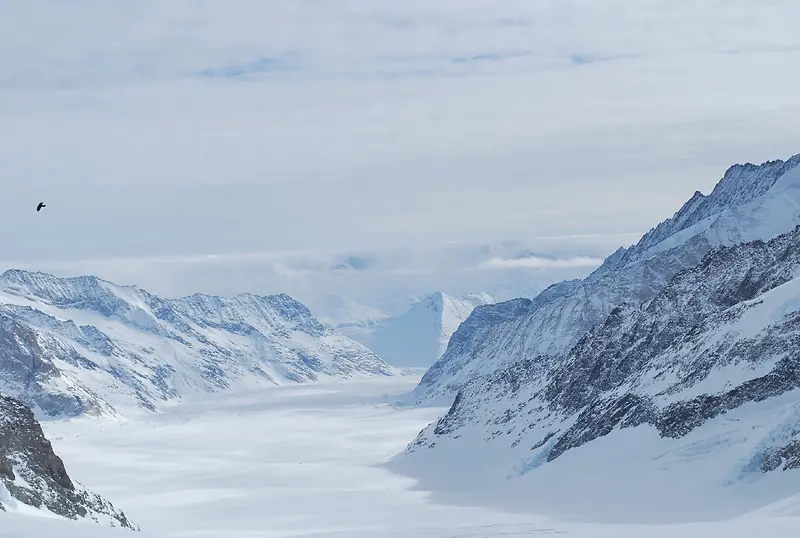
point(751, 202)
point(75, 345)
point(109, 299)
point(741, 184)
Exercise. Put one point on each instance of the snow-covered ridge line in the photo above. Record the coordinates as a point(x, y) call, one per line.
point(741, 183)
point(749, 203)
point(77, 291)
point(82, 344)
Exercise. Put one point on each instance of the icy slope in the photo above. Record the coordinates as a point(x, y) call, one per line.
point(419, 336)
point(33, 478)
point(750, 202)
point(75, 345)
point(698, 387)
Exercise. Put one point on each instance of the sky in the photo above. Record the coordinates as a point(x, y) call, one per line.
point(189, 128)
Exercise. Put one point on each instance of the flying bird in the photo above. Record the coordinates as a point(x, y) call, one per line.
point(40, 206)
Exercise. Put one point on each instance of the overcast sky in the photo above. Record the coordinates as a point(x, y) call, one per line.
point(179, 127)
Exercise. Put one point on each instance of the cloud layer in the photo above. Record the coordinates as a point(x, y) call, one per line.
point(352, 285)
point(172, 128)
point(536, 262)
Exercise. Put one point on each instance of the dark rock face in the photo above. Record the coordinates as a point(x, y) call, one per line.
point(680, 418)
point(787, 457)
point(693, 304)
point(601, 418)
point(733, 319)
point(34, 475)
point(633, 336)
point(447, 424)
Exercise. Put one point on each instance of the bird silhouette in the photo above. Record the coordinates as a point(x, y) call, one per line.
point(40, 206)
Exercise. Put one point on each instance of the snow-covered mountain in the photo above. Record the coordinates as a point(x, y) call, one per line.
point(33, 477)
point(670, 370)
point(419, 336)
point(75, 345)
point(695, 389)
point(750, 202)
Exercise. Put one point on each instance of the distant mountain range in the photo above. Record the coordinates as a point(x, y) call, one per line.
point(84, 345)
point(361, 285)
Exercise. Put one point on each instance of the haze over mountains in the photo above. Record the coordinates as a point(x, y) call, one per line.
point(351, 286)
point(400, 269)
point(661, 387)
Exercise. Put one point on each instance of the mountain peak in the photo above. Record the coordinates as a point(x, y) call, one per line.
point(751, 202)
point(434, 302)
point(420, 335)
point(740, 185)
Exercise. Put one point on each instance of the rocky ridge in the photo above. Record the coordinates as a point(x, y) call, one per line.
point(749, 203)
point(706, 362)
point(33, 475)
point(83, 345)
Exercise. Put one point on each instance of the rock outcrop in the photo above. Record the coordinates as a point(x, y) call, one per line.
point(33, 475)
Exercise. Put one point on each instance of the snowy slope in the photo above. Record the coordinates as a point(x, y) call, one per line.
point(75, 345)
point(750, 202)
point(419, 336)
point(696, 390)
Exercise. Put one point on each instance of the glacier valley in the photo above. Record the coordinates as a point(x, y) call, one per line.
point(657, 396)
point(301, 461)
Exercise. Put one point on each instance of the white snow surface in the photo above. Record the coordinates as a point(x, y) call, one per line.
point(308, 461)
point(419, 336)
